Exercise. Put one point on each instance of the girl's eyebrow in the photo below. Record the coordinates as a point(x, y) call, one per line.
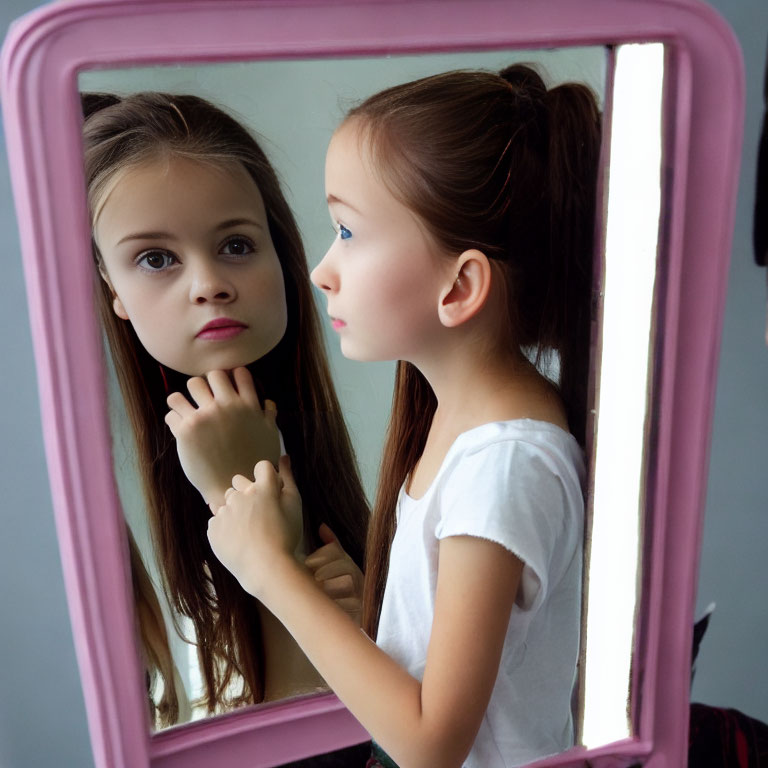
point(167, 236)
point(333, 199)
point(238, 223)
point(146, 236)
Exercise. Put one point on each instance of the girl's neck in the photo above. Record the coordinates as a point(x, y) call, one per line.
point(474, 389)
point(474, 385)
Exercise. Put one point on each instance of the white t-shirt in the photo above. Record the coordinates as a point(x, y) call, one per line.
point(518, 483)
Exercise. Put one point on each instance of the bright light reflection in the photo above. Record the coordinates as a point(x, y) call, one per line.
point(632, 227)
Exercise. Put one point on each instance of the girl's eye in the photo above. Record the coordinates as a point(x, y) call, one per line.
point(155, 261)
point(237, 246)
point(344, 233)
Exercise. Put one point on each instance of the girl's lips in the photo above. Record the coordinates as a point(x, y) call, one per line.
point(337, 324)
point(220, 329)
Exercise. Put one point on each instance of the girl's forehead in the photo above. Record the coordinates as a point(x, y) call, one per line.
point(149, 172)
point(350, 141)
point(352, 165)
point(162, 165)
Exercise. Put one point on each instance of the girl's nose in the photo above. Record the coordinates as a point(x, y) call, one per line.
point(324, 276)
point(210, 284)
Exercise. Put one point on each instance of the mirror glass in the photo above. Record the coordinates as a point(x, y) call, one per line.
point(293, 106)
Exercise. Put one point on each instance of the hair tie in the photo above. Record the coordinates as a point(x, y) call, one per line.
point(530, 92)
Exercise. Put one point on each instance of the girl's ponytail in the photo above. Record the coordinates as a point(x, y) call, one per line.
point(574, 149)
point(552, 250)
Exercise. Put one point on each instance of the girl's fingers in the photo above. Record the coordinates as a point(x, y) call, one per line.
point(199, 390)
point(349, 605)
point(286, 474)
point(173, 420)
point(241, 482)
point(177, 402)
point(334, 570)
point(220, 386)
point(264, 474)
point(322, 555)
point(340, 587)
point(245, 387)
point(326, 534)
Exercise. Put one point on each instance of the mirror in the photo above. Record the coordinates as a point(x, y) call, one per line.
point(43, 58)
point(293, 107)
point(295, 131)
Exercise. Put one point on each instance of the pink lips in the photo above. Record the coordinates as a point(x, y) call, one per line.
point(220, 329)
point(337, 324)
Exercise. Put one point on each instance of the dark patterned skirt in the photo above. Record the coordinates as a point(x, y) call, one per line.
point(379, 758)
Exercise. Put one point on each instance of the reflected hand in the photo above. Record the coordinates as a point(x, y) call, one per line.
point(224, 433)
point(259, 524)
point(337, 574)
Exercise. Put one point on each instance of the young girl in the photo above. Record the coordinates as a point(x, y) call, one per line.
point(464, 208)
point(203, 272)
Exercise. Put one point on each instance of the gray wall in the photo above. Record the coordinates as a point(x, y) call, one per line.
point(42, 717)
point(732, 669)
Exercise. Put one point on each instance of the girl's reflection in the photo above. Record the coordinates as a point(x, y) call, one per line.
point(203, 269)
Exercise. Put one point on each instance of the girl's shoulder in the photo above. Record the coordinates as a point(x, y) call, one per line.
point(522, 434)
point(501, 450)
point(519, 483)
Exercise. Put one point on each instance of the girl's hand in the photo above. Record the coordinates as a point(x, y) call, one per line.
point(337, 574)
point(259, 527)
point(225, 435)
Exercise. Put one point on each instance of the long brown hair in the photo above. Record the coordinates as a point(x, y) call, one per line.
point(120, 133)
point(155, 650)
point(498, 163)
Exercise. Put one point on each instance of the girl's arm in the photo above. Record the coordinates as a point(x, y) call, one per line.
point(428, 723)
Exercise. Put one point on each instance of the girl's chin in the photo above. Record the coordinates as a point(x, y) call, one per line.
point(214, 365)
point(225, 357)
point(225, 360)
point(363, 354)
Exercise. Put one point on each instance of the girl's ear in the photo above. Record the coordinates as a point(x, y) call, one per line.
point(104, 275)
point(117, 305)
point(467, 295)
point(118, 308)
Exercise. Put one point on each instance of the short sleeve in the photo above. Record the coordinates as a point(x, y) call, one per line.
point(522, 496)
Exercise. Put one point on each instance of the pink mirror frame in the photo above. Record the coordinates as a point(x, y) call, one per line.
point(42, 56)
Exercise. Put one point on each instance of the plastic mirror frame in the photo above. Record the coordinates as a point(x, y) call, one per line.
point(42, 55)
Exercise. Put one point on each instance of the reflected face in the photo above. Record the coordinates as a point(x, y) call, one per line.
point(188, 254)
point(382, 275)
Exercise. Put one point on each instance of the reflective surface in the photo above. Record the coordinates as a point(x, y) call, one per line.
point(293, 108)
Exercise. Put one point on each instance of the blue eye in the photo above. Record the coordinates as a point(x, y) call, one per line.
point(344, 233)
point(156, 260)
